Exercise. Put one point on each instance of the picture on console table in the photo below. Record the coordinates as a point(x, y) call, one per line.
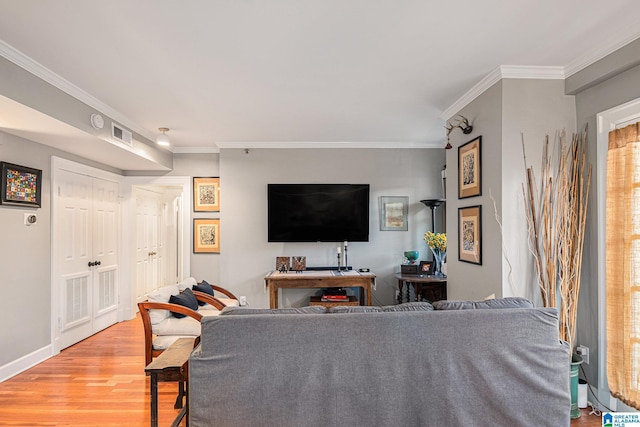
point(393, 213)
point(426, 267)
point(206, 235)
point(470, 232)
point(469, 172)
point(206, 194)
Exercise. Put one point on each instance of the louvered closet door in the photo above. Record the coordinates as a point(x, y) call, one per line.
point(86, 215)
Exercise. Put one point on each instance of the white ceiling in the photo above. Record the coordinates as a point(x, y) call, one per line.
point(245, 73)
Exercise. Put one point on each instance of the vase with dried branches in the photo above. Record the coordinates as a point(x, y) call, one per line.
point(556, 210)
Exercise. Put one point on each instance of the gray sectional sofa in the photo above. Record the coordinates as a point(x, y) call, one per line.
point(460, 365)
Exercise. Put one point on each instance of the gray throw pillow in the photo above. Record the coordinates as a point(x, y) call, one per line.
point(409, 306)
point(509, 302)
point(232, 311)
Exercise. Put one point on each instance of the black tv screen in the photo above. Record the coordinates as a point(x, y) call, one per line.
point(318, 212)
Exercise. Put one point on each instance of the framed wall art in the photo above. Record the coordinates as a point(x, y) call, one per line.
point(470, 234)
point(206, 194)
point(21, 185)
point(469, 169)
point(206, 235)
point(394, 212)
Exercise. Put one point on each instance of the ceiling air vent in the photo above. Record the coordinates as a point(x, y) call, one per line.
point(121, 134)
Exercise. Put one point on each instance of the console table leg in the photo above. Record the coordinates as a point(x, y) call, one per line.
point(154, 399)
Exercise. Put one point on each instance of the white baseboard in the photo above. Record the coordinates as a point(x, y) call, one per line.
point(22, 364)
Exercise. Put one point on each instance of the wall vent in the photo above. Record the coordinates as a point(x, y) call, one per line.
point(121, 134)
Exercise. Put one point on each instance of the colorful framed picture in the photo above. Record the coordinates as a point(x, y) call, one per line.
point(469, 169)
point(206, 194)
point(470, 234)
point(206, 235)
point(394, 211)
point(21, 185)
point(426, 267)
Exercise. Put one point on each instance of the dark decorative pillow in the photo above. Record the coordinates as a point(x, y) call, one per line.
point(185, 298)
point(227, 311)
point(409, 306)
point(509, 302)
point(355, 309)
point(203, 287)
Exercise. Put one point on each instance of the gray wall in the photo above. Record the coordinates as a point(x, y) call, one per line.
point(203, 266)
point(502, 115)
point(465, 280)
point(247, 256)
point(607, 94)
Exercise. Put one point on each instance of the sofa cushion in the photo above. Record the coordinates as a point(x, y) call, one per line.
point(161, 295)
point(409, 306)
point(229, 302)
point(316, 309)
point(185, 298)
point(187, 283)
point(204, 287)
point(508, 302)
point(174, 326)
point(354, 309)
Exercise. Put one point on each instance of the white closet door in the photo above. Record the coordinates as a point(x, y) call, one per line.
point(149, 246)
point(85, 253)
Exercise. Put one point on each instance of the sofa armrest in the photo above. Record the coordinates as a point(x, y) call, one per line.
point(222, 290)
point(144, 308)
point(201, 296)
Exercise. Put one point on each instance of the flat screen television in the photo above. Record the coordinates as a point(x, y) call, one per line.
point(318, 212)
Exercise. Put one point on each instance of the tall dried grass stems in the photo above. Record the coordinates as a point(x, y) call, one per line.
point(556, 211)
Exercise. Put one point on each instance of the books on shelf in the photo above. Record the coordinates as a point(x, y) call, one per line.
point(334, 294)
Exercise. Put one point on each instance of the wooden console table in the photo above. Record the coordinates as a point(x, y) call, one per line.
point(171, 365)
point(319, 279)
point(426, 287)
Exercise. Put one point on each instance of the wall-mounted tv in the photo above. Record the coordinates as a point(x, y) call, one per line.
point(318, 212)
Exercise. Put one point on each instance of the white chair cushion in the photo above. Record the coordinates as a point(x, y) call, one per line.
point(189, 282)
point(174, 326)
point(229, 302)
point(163, 342)
point(208, 310)
point(161, 295)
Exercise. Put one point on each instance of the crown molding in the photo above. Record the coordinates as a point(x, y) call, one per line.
point(196, 150)
point(317, 144)
point(626, 36)
point(497, 74)
point(20, 59)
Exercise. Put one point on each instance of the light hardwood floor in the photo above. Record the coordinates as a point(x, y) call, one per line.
point(100, 382)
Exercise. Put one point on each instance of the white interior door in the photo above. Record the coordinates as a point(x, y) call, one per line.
point(149, 247)
point(85, 254)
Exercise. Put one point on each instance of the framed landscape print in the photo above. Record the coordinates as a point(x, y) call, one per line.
point(470, 234)
point(393, 213)
point(206, 235)
point(21, 185)
point(206, 194)
point(469, 172)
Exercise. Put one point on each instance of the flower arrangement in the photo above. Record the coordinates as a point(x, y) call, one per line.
point(436, 241)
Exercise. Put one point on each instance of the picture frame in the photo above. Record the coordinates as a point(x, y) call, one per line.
point(206, 235)
point(206, 194)
point(470, 234)
point(20, 185)
point(394, 213)
point(426, 267)
point(469, 169)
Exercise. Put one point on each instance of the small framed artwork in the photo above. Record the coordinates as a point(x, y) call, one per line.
point(394, 212)
point(470, 232)
point(298, 263)
point(469, 169)
point(283, 263)
point(426, 267)
point(206, 194)
point(21, 185)
point(206, 235)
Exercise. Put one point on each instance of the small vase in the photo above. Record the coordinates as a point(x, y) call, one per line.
point(438, 258)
